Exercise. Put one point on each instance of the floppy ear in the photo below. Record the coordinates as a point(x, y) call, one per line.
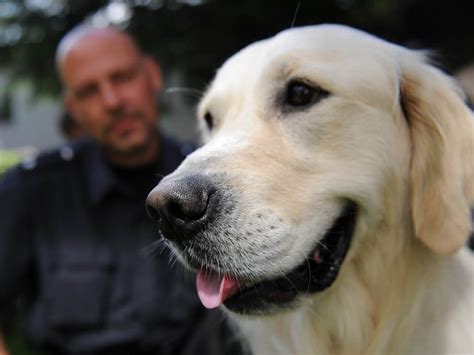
point(442, 162)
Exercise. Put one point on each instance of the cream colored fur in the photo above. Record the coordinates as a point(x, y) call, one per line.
point(395, 137)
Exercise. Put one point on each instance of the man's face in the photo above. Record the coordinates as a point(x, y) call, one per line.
point(110, 89)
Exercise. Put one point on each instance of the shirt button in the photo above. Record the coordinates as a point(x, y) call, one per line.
point(66, 153)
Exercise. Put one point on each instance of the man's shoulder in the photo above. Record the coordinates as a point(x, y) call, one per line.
point(181, 148)
point(172, 154)
point(50, 162)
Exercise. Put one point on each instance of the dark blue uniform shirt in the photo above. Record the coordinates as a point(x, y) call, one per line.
point(73, 235)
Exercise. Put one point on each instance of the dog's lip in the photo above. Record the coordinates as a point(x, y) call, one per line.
point(317, 272)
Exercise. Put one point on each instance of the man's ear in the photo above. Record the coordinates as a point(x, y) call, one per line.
point(153, 70)
point(70, 107)
point(442, 162)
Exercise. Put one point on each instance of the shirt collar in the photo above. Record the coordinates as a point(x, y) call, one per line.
point(100, 179)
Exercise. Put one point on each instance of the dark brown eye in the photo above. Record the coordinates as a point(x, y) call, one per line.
point(299, 94)
point(209, 120)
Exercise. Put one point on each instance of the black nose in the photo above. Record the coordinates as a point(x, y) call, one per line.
point(181, 204)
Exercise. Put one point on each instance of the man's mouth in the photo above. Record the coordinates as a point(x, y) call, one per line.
point(124, 125)
point(316, 273)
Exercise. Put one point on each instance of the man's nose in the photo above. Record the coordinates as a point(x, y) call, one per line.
point(183, 205)
point(110, 96)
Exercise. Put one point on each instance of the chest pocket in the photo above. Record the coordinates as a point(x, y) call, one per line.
point(77, 263)
point(79, 288)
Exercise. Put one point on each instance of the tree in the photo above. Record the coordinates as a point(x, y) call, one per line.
point(195, 36)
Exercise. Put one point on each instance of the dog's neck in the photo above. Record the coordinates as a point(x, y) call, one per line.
point(343, 319)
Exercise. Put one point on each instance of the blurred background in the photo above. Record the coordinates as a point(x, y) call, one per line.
point(190, 39)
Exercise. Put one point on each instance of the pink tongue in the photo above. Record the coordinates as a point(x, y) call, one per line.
point(213, 289)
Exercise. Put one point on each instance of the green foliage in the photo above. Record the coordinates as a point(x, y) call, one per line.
point(17, 343)
point(18, 346)
point(8, 159)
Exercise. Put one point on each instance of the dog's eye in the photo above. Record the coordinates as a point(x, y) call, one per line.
point(299, 94)
point(209, 120)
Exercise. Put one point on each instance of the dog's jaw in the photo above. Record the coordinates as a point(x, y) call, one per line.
point(315, 274)
point(234, 270)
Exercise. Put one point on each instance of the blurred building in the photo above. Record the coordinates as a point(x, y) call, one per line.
point(26, 122)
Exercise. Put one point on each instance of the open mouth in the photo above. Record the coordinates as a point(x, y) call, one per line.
point(315, 274)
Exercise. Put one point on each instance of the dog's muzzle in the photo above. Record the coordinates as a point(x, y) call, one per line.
point(190, 207)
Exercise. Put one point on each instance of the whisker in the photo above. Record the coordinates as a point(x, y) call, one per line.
point(292, 284)
point(320, 243)
point(155, 248)
point(296, 14)
point(173, 261)
point(309, 279)
point(183, 90)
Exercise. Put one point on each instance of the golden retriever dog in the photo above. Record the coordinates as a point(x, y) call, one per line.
point(328, 210)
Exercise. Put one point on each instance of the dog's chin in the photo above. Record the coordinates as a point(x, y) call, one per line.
point(316, 273)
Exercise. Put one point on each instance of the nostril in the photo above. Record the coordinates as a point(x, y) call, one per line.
point(152, 211)
point(188, 208)
point(178, 211)
point(175, 210)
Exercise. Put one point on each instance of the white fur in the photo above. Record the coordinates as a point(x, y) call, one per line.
point(406, 286)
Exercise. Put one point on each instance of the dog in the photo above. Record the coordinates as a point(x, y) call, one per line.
point(328, 210)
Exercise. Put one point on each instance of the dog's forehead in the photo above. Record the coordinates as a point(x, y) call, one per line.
point(343, 57)
point(337, 38)
point(243, 64)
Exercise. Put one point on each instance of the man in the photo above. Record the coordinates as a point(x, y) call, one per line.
point(73, 226)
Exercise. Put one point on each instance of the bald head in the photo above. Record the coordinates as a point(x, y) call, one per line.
point(88, 36)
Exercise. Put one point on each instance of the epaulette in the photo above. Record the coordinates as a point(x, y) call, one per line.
point(50, 159)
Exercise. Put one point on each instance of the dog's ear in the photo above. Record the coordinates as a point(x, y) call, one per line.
point(442, 161)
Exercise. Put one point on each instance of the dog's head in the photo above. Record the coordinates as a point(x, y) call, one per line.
point(315, 139)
